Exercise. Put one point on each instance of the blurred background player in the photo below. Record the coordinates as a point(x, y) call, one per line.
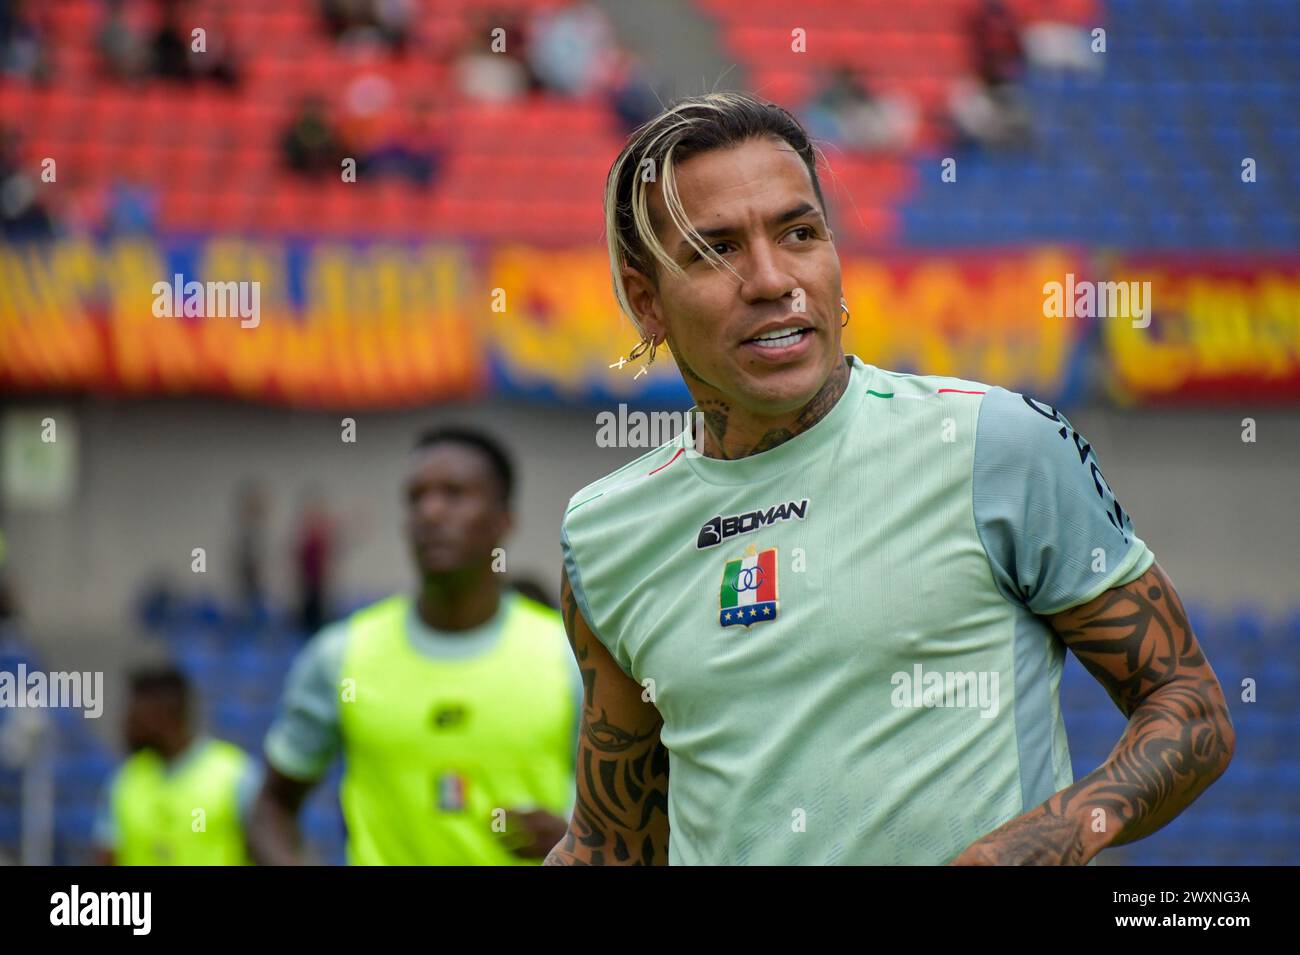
point(454, 707)
point(181, 796)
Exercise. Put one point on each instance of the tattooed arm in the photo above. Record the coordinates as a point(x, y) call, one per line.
point(1136, 641)
point(620, 816)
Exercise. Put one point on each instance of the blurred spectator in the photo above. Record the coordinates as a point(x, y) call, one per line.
point(411, 148)
point(988, 109)
point(632, 90)
point(1060, 48)
point(24, 50)
point(215, 62)
point(389, 142)
point(125, 53)
point(369, 113)
point(169, 49)
point(250, 550)
point(310, 145)
point(314, 551)
point(366, 21)
point(572, 50)
point(132, 205)
point(23, 213)
point(8, 606)
point(845, 112)
point(393, 20)
point(340, 16)
point(997, 55)
point(496, 76)
point(174, 57)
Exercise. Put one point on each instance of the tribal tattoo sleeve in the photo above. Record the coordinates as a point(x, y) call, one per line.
point(1136, 641)
point(620, 816)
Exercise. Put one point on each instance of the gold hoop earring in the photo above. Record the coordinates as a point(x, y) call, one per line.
point(844, 307)
point(641, 346)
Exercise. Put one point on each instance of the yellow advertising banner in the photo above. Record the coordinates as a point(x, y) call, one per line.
point(338, 324)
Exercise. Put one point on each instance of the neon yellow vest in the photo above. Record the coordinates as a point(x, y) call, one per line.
point(189, 816)
point(434, 748)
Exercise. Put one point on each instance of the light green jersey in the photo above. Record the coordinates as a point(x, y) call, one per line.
point(844, 632)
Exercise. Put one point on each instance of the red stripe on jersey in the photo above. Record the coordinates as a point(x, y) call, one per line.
point(960, 392)
point(670, 461)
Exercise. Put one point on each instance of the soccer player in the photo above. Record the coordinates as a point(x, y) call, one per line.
point(180, 798)
point(836, 635)
point(454, 708)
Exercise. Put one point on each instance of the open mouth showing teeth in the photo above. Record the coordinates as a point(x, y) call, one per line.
point(781, 338)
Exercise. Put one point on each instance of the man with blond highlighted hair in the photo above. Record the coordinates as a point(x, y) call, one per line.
point(835, 633)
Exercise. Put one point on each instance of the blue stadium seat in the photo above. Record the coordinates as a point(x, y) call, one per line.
point(74, 824)
point(10, 830)
point(1190, 88)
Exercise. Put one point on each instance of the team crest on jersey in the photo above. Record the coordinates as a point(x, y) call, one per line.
point(748, 594)
point(450, 791)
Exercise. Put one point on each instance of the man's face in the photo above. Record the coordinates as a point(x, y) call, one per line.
point(454, 512)
point(152, 719)
point(755, 205)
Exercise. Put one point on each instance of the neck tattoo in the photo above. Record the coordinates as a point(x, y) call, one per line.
point(717, 413)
